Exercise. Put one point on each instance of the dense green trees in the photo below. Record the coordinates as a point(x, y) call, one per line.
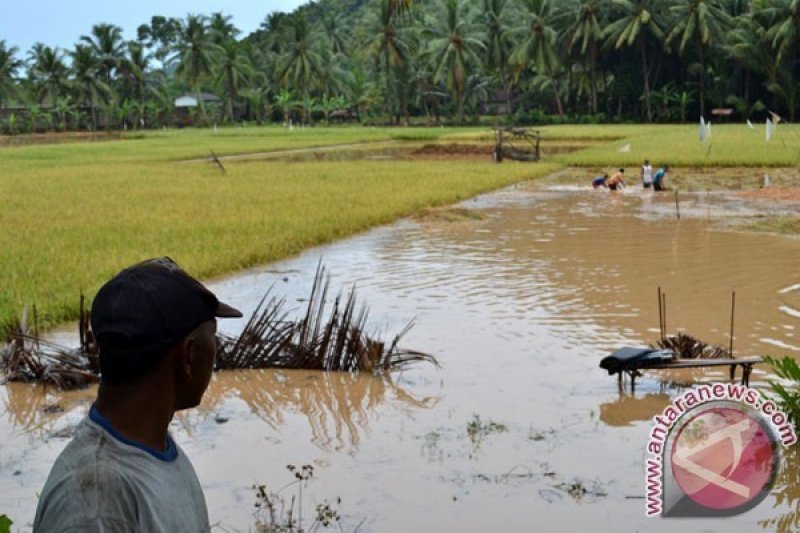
point(392, 60)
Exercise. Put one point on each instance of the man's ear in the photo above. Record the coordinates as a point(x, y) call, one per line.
point(183, 353)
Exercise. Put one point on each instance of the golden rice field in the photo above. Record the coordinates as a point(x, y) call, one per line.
point(74, 214)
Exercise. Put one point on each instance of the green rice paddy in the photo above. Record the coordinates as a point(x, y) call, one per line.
point(74, 214)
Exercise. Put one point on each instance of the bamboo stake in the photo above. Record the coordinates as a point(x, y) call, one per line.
point(733, 313)
point(664, 312)
point(677, 205)
point(660, 315)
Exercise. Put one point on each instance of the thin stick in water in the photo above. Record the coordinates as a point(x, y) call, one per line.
point(677, 205)
point(733, 313)
point(660, 315)
point(664, 310)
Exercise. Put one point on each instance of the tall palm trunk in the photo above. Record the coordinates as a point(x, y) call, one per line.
point(507, 84)
point(646, 78)
point(231, 92)
point(554, 84)
point(458, 76)
point(593, 70)
point(702, 79)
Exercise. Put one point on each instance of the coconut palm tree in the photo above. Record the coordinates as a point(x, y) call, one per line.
point(748, 45)
point(537, 41)
point(388, 42)
point(87, 82)
point(9, 66)
point(134, 67)
point(48, 72)
point(302, 62)
point(498, 44)
point(702, 21)
point(233, 67)
point(453, 46)
point(587, 30)
point(196, 51)
point(221, 28)
point(638, 21)
point(335, 29)
point(784, 17)
point(107, 44)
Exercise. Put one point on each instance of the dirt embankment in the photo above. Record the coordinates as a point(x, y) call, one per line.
point(453, 151)
point(58, 138)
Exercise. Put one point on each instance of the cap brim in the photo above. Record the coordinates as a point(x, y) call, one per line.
point(226, 311)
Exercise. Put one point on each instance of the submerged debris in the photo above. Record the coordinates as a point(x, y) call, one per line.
point(330, 340)
point(26, 357)
point(321, 340)
point(688, 347)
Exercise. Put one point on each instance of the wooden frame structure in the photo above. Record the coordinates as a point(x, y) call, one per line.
point(517, 144)
point(746, 363)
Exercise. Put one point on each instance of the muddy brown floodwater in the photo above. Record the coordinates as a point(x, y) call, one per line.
point(519, 306)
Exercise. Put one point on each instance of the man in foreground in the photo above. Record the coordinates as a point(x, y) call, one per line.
point(155, 327)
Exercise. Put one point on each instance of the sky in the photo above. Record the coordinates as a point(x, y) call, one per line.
point(62, 22)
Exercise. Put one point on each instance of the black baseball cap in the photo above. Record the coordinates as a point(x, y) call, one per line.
point(149, 306)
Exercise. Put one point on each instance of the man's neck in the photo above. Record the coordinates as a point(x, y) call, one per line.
point(141, 414)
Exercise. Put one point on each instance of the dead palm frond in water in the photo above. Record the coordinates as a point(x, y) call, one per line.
point(323, 339)
point(329, 340)
point(28, 358)
point(688, 347)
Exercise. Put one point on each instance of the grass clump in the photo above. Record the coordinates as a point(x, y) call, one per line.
point(477, 429)
point(781, 225)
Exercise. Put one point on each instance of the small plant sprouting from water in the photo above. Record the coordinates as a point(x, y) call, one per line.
point(274, 515)
point(477, 429)
point(579, 490)
point(5, 524)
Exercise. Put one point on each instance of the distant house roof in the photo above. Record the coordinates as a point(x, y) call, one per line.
point(342, 113)
point(193, 99)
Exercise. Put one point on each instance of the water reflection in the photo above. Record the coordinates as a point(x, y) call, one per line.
point(337, 405)
point(629, 409)
point(35, 409)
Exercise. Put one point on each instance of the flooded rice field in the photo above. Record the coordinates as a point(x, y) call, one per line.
point(519, 430)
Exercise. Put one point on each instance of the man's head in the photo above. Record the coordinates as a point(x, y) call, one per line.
point(646, 162)
point(154, 317)
point(622, 171)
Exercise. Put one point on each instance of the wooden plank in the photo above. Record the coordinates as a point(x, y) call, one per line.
point(699, 363)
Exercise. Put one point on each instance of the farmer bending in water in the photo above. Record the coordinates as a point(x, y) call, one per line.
point(155, 327)
point(616, 180)
point(600, 181)
point(658, 178)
